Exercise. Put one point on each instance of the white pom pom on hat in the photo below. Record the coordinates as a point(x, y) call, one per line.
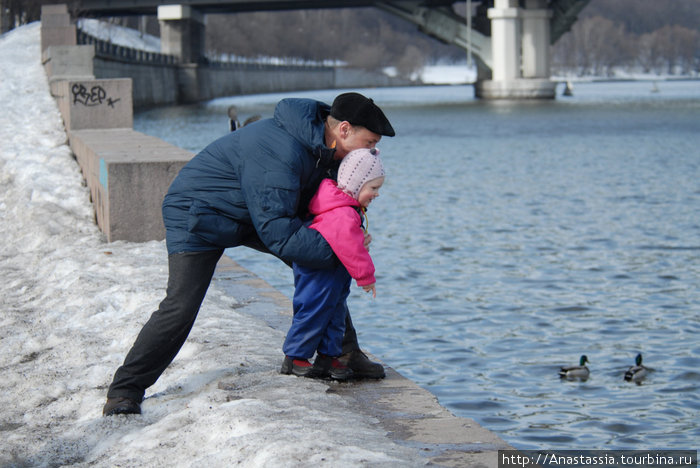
point(357, 168)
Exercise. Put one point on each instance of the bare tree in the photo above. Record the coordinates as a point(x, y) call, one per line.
point(15, 13)
point(18, 12)
point(678, 46)
point(650, 55)
point(372, 58)
point(595, 45)
point(645, 16)
point(671, 49)
point(359, 35)
point(411, 62)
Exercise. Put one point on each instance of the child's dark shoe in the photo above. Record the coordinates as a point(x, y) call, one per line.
point(340, 371)
point(327, 367)
point(298, 367)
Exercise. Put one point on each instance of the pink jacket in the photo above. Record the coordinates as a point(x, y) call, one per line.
point(339, 222)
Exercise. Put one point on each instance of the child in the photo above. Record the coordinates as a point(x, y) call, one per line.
point(319, 295)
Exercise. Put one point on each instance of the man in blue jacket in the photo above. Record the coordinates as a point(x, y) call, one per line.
point(250, 187)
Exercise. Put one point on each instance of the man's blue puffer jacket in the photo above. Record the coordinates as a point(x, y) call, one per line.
point(253, 186)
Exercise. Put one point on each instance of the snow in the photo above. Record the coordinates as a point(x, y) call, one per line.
point(448, 74)
point(72, 305)
point(125, 37)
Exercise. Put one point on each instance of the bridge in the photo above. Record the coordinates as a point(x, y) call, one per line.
point(508, 39)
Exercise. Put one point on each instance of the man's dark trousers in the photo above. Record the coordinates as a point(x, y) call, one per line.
point(161, 338)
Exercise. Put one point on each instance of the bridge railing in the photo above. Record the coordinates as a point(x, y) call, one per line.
point(108, 50)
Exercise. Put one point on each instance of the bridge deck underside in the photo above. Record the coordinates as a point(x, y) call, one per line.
point(150, 7)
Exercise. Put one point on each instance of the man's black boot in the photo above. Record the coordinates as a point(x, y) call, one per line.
point(121, 405)
point(362, 367)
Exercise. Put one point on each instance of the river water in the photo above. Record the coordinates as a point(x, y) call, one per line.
point(512, 237)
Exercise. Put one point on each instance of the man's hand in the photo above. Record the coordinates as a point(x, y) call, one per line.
point(371, 288)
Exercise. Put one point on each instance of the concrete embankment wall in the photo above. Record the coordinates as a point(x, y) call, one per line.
point(205, 83)
point(202, 83)
point(153, 84)
point(166, 84)
point(127, 172)
point(156, 84)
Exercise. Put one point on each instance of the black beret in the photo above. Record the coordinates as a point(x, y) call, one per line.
point(359, 110)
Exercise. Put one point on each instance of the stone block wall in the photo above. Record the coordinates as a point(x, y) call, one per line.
point(94, 103)
point(128, 174)
point(56, 26)
point(63, 62)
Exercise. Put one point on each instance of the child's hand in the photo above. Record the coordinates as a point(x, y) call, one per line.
point(371, 288)
point(368, 240)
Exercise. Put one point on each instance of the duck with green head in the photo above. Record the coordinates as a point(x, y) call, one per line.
point(638, 371)
point(579, 372)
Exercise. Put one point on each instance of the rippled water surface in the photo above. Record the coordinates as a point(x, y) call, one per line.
point(510, 238)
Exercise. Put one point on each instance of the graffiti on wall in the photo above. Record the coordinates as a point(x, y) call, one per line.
point(94, 96)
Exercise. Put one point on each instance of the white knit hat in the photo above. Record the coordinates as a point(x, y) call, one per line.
point(357, 168)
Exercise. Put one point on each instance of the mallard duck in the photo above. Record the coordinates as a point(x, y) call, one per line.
point(637, 372)
point(576, 372)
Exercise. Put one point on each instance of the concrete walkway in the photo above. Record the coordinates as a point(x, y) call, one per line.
point(411, 415)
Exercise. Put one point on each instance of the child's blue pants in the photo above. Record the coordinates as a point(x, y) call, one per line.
point(319, 312)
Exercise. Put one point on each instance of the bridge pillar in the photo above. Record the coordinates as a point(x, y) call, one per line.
point(536, 39)
point(516, 75)
point(181, 32)
point(505, 38)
